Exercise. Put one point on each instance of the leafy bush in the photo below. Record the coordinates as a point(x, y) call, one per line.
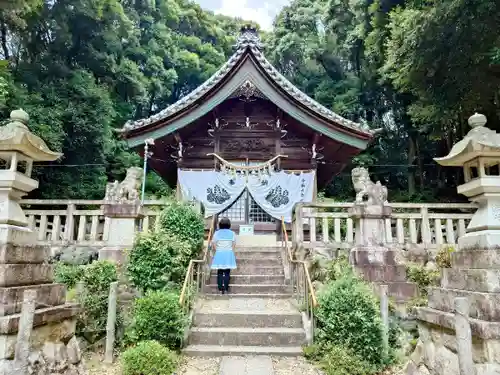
point(157, 260)
point(97, 278)
point(337, 360)
point(339, 268)
point(157, 316)
point(185, 223)
point(68, 275)
point(148, 358)
point(443, 257)
point(422, 277)
point(348, 315)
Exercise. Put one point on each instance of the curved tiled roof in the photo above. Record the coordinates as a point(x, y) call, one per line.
point(248, 39)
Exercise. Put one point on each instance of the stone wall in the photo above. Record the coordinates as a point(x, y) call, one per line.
point(54, 350)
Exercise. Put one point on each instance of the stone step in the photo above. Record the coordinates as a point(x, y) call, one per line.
point(48, 295)
point(251, 288)
point(480, 328)
point(271, 261)
point(249, 319)
point(257, 240)
point(374, 257)
point(476, 258)
point(257, 269)
point(483, 306)
point(378, 273)
point(252, 279)
point(26, 274)
point(400, 291)
point(250, 249)
point(220, 351)
point(476, 280)
point(22, 254)
point(244, 336)
point(9, 324)
point(257, 254)
point(218, 296)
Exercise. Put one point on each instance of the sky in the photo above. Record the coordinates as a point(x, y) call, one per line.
point(260, 11)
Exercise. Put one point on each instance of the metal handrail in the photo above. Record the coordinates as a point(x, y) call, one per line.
point(196, 265)
point(300, 279)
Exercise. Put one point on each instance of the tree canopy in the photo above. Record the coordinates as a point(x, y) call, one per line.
point(417, 69)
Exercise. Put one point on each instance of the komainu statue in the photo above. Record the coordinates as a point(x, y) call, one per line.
point(126, 191)
point(376, 193)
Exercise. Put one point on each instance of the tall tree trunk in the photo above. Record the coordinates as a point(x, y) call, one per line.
point(420, 163)
point(411, 171)
point(3, 37)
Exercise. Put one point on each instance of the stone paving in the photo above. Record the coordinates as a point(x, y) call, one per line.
point(248, 365)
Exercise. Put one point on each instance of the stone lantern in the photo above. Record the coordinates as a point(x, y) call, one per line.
point(19, 148)
point(459, 331)
point(37, 325)
point(479, 156)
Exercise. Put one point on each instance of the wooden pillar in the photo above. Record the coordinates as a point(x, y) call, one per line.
point(315, 186)
point(178, 192)
point(277, 149)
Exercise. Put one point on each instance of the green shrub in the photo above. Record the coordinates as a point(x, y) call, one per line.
point(148, 358)
point(339, 268)
point(443, 257)
point(97, 278)
point(157, 316)
point(185, 223)
point(68, 275)
point(158, 260)
point(348, 315)
point(337, 360)
point(422, 277)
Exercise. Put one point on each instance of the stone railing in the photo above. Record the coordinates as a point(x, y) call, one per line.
point(79, 222)
point(427, 225)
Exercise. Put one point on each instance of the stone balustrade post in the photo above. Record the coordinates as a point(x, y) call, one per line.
point(425, 227)
point(384, 314)
point(464, 336)
point(22, 350)
point(111, 322)
point(69, 227)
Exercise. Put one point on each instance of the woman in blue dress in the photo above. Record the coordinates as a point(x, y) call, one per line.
point(224, 241)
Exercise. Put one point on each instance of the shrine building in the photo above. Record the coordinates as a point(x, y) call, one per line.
point(247, 143)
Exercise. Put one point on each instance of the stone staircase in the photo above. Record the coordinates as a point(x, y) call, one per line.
point(257, 317)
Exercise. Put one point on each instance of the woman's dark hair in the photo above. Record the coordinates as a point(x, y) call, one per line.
point(224, 223)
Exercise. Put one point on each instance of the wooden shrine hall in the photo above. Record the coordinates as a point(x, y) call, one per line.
point(247, 143)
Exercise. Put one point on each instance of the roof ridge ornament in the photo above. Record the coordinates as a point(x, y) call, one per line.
point(249, 37)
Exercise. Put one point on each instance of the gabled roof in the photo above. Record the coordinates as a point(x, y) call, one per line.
point(248, 43)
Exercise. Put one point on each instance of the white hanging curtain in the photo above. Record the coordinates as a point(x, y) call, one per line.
point(278, 193)
point(275, 192)
point(217, 191)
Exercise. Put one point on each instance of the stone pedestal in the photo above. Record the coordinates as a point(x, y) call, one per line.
point(475, 275)
point(123, 226)
point(51, 346)
point(372, 258)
